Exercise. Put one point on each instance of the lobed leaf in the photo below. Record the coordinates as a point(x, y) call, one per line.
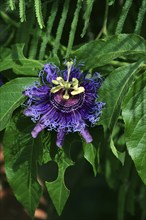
point(57, 189)
point(20, 64)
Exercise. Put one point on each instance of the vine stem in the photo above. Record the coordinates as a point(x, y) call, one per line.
point(8, 20)
point(104, 27)
point(119, 64)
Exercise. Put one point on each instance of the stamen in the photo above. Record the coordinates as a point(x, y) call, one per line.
point(59, 78)
point(55, 82)
point(75, 83)
point(78, 90)
point(60, 83)
point(66, 95)
point(56, 88)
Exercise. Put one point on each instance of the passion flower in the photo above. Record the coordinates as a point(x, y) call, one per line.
point(65, 101)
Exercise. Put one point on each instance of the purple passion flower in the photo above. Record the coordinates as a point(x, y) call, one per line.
point(65, 101)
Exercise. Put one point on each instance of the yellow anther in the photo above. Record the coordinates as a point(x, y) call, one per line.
point(75, 83)
point(56, 89)
point(78, 91)
point(55, 82)
point(66, 95)
point(59, 78)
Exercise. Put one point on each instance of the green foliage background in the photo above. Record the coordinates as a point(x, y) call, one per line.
point(108, 37)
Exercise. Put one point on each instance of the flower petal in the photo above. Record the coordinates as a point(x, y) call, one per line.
point(60, 138)
point(86, 135)
point(37, 129)
point(65, 102)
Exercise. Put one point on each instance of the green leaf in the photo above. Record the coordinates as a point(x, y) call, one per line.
point(11, 97)
point(22, 10)
point(20, 64)
point(121, 201)
point(142, 199)
point(134, 115)
point(119, 155)
point(57, 189)
point(113, 91)
point(100, 52)
point(23, 65)
point(38, 11)
point(86, 16)
point(21, 154)
point(90, 154)
point(46, 139)
point(4, 52)
point(111, 2)
point(6, 63)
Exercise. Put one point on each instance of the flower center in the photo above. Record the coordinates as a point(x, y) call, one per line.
point(66, 105)
point(70, 88)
